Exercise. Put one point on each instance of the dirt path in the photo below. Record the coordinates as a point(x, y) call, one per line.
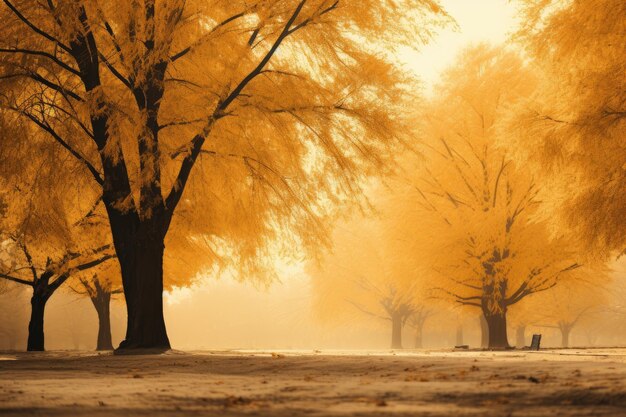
point(435, 383)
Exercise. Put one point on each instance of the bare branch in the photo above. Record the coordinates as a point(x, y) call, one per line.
point(308, 20)
point(45, 126)
point(115, 72)
point(367, 312)
point(89, 264)
point(186, 50)
point(43, 54)
point(15, 279)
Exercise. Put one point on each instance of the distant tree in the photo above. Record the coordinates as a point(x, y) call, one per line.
point(397, 307)
point(98, 286)
point(417, 321)
point(47, 277)
point(484, 331)
point(13, 299)
point(276, 108)
point(471, 218)
point(567, 307)
point(575, 124)
point(360, 275)
point(45, 233)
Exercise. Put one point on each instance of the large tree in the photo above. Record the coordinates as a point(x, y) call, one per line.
point(471, 218)
point(250, 117)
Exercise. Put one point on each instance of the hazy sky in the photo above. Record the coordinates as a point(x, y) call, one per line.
point(478, 21)
point(248, 308)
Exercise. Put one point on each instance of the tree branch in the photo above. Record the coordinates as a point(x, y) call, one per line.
point(29, 259)
point(35, 28)
point(196, 144)
point(115, 72)
point(43, 54)
point(186, 50)
point(90, 264)
point(310, 19)
point(15, 279)
point(45, 126)
point(36, 77)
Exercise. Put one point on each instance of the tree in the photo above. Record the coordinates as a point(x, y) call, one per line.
point(277, 107)
point(567, 307)
point(46, 279)
point(45, 233)
point(470, 216)
point(100, 288)
point(484, 331)
point(417, 320)
point(182, 266)
point(575, 124)
point(360, 275)
point(12, 315)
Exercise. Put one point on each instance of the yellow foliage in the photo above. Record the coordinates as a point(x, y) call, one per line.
point(575, 124)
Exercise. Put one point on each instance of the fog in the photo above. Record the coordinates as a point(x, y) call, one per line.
point(223, 314)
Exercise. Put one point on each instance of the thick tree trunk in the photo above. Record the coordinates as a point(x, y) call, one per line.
point(142, 277)
point(484, 331)
point(140, 254)
point(102, 302)
point(520, 336)
point(396, 331)
point(496, 322)
point(35, 326)
point(459, 335)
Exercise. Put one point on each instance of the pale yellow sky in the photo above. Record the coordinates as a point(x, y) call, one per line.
point(478, 21)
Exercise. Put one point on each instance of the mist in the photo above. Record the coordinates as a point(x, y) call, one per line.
point(312, 207)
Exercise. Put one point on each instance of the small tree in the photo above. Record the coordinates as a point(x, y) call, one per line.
point(361, 275)
point(46, 233)
point(13, 315)
point(100, 289)
point(417, 320)
point(397, 307)
point(46, 278)
point(567, 307)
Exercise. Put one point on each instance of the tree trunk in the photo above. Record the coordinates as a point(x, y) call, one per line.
point(418, 338)
point(484, 331)
point(142, 277)
point(520, 336)
point(102, 302)
point(459, 335)
point(565, 331)
point(396, 331)
point(496, 323)
point(35, 326)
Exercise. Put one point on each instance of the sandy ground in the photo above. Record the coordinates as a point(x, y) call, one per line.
point(571, 382)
